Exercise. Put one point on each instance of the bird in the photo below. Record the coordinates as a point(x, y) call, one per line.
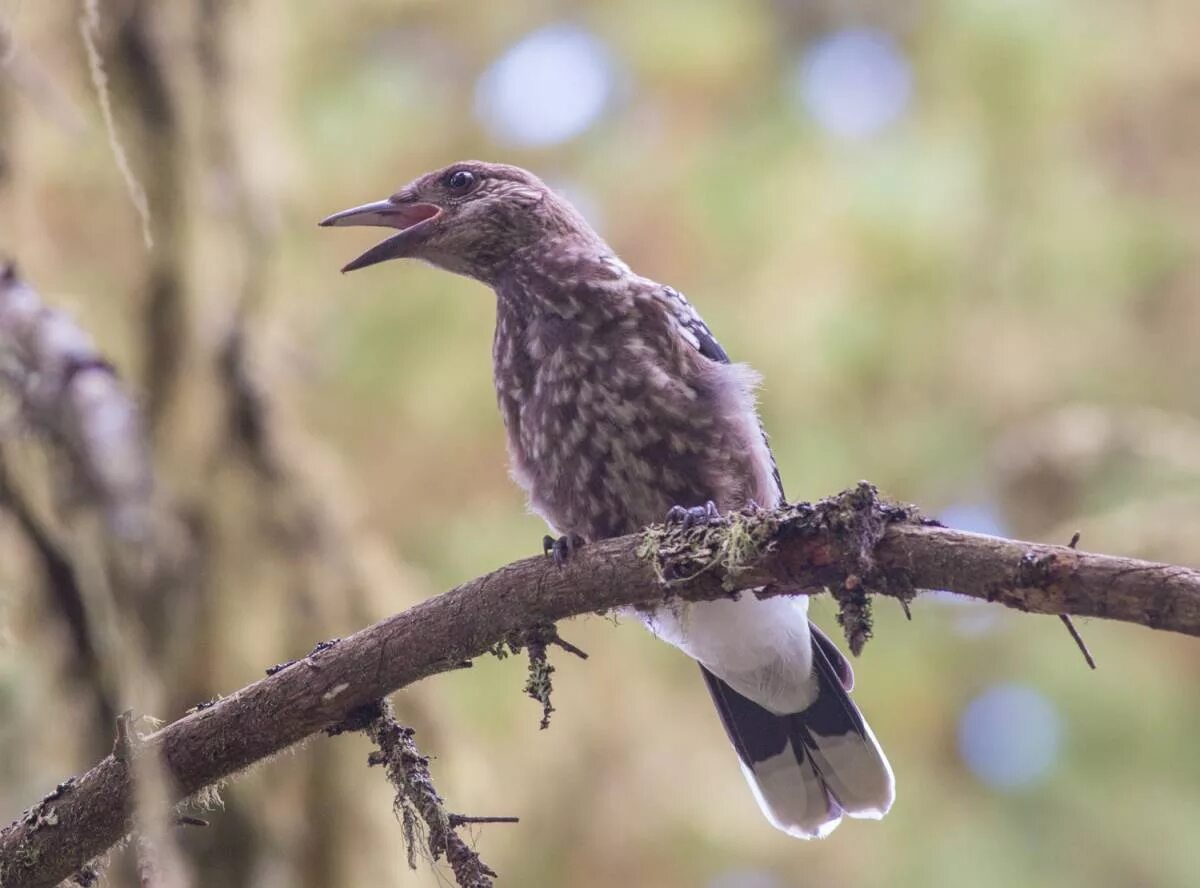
point(621, 410)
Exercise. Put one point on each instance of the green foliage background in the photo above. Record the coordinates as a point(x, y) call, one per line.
point(996, 301)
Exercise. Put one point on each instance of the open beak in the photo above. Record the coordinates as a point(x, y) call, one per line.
point(410, 218)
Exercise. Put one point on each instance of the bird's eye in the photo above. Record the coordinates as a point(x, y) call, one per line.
point(460, 181)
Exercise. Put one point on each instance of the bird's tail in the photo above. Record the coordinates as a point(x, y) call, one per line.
point(809, 768)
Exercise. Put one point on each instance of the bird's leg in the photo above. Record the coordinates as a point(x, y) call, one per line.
point(694, 516)
point(561, 548)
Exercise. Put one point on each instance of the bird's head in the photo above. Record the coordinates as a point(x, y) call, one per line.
point(469, 218)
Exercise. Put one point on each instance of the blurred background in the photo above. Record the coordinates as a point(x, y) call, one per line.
point(958, 238)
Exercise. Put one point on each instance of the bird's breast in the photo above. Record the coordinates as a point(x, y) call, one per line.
point(606, 433)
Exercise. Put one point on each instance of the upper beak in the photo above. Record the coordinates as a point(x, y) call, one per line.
point(390, 213)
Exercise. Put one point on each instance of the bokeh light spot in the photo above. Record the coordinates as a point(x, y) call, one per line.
point(547, 88)
point(854, 82)
point(1009, 736)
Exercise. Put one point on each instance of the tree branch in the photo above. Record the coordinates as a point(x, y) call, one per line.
point(851, 544)
point(71, 394)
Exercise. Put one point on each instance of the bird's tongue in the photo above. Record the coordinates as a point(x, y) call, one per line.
point(408, 215)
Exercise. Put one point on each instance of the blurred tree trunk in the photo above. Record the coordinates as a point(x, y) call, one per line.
point(263, 566)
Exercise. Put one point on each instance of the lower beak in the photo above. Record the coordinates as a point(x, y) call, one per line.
point(410, 218)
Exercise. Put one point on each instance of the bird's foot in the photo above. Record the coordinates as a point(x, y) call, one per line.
point(561, 548)
point(694, 516)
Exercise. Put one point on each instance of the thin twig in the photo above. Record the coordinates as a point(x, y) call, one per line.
point(89, 31)
point(124, 742)
point(463, 819)
point(561, 642)
point(1070, 624)
point(1083, 648)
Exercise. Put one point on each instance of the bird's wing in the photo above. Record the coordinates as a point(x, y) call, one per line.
point(693, 328)
point(696, 332)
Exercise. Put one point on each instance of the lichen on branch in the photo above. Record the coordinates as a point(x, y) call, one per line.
point(535, 640)
point(429, 829)
point(740, 543)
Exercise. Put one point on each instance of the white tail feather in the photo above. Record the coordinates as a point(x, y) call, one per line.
point(856, 771)
point(792, 796)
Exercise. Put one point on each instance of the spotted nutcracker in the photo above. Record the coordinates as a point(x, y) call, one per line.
point(621, 409)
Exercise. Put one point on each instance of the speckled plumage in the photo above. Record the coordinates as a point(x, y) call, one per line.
point(619, 404)
point(612, 413)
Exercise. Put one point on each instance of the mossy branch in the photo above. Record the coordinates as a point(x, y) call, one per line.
point(416, 801)
point(854, 543)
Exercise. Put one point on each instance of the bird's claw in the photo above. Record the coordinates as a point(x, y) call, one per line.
point(694, 516)
point(561, 548)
